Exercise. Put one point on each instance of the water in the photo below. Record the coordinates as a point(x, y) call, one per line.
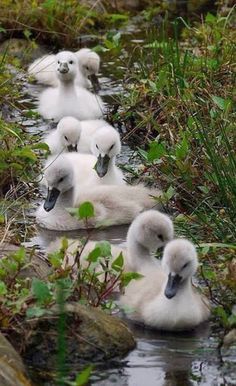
point(162, 359)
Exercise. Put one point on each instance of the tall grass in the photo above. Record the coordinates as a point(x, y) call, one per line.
point(184, 113)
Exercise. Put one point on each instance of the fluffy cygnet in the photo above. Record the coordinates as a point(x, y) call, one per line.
point(65, 137)
point(165, 297)
point(148, 232)
point(44, 69)
point(67, 99)
point(114, 204)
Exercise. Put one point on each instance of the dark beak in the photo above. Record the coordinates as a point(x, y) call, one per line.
point(172, 285)
point(51, 199)
point(101, 165)
point(71, 148)
point(95, 83)
point(63, 68)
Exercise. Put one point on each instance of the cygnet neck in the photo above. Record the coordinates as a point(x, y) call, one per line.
point(138, 255)
point(67, 85)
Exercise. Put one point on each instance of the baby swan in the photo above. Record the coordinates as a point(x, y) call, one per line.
point(105, 147)
point(113, 204)
point(65, 137)
point(89, 64)
point(44, 69)
point(148, 232)
point(67, 99)
point(165, 298)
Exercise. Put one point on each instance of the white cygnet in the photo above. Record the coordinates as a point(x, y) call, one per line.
point(44, 69)
point(67, 99)
point(165, 297)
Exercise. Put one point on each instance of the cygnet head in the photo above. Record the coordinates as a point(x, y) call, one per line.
point(67, 65)
point(89, 63)
point(151, 229)
point(105, 146)
point(59, 177)
point(180, 263)
point(69, 129)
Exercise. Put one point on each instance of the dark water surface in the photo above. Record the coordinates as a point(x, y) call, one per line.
point(161, 359)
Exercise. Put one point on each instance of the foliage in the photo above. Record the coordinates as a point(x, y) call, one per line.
point(180, 105)
point(19, 151)
point(61, 23)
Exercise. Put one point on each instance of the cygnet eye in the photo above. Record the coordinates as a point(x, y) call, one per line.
point(87, 67)
point(111, 146)
point(71, 62)
point(185, 265)
point(97, 146)
point(160, 236)
point(58, 61)
point(60, 180)
point(66, 138)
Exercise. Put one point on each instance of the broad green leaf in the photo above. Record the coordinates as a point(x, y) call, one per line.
point(41, 291)
point(94, 255)
point(118, 263)
point(56, 259)
point(20, 255)
point(86, 210)
point(35, 312)
point(156, 151)
point(26, 152)
point(223, 104)
point(3, 288)
point(83, 377)
point(105, 248)
point(182, 148)
point(211, 19)
point(126, 277)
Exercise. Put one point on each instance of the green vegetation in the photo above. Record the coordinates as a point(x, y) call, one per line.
point(60, 22)
point(181, 106)
point(179, 109)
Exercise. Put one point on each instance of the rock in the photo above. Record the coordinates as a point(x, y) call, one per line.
point(230, 338)
point(12, 370)
point(91, 336)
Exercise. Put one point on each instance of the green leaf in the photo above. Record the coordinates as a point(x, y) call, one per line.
point(118, 263)
point(83, 378)
point(56, 259)
point(35, 312)
point(41, 291)
point(94, 255)
point(126, 277)
point(3, 288)
point(182, 148)
point(20, 255)
point(156, 151)
point(41, 146)
point(210, 19)
point(105, 248)
point(223, 104)
point(86, 210)
point(26, 152)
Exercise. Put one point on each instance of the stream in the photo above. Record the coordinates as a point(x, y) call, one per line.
point(162, 359)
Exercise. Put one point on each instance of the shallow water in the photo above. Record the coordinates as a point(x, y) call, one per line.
point(161, 359)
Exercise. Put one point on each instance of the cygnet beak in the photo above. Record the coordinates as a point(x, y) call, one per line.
point(63, 68)
point(172, 285)
point(101, 165)
point(95, 83)
point(72, 148)
point(51, 199)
